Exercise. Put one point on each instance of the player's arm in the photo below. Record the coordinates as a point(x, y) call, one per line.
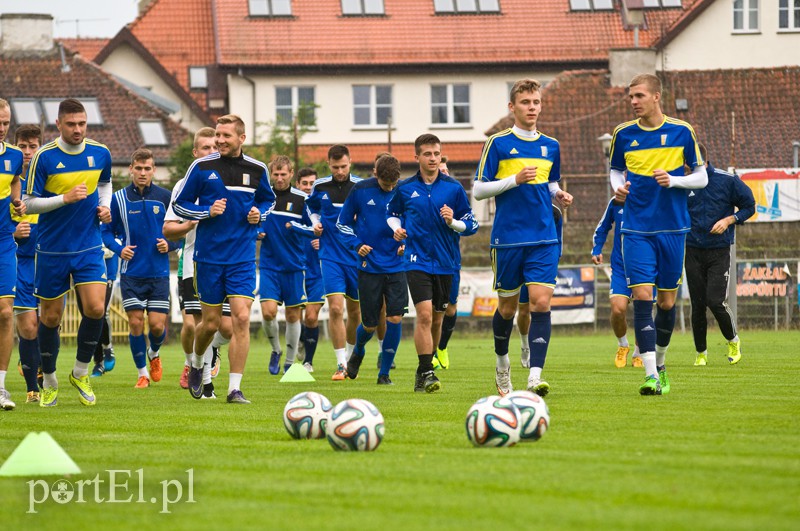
point(743, 200)
point(265, 197)
point(306, 228)
point(601, 233)
point(394, 213)
point(463, 219)
point(175, 230)
point(36, 181)
point(697, 179)
point(346, 222)
point(113, 230)
point(616, 174)
point(185, 206)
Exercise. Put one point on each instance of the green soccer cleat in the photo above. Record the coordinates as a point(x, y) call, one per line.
point(663, 381)
point(701, 360)
point(651, 386)
point(444, 358)
point(734, 352)
point(84, 387)
point(49, 397)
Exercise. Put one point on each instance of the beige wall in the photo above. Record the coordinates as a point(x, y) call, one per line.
point(710, 42)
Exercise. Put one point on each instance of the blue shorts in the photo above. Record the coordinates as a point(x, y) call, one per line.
point(340, 279)
point(655, 259)
point(619, 285)
point(283, 287)
point(151, 294)
point(454, 288)
point(54, 271)
point(214, 282)
point(315, 290)
point(8, 273)
point(26, 267)
point(515, 266)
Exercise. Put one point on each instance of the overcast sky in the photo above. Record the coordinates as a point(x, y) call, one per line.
point(84, 18)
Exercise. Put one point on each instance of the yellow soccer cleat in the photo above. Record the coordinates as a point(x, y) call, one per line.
point(621, 358)
point(734, 352)
point(84, 387)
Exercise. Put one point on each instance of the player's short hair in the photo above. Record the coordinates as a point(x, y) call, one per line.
point(203, 132)
point(380, 154)
point(387, 169)
point(281, 161)
point(703, 151)
point(338, 151)
point(4, 104)
point(444, 159)
point(424, 140)
point(141, 155)
point(305, 172)
point(523, 85)
point(70, 106)
point(651, 81)
point(238, 123)
point(27, 132)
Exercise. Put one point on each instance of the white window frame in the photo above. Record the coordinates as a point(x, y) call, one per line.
point(373, 106)
point(591, 5)
point(161, 130)
point(92, 106)
point(363, 8)
point(26, 105)
point(458, 7)
point(746, 8)
point(198, 78)
point(294, 106)
point(267, 9)
point(792, 16)
point(450, 105)
point(652, 4)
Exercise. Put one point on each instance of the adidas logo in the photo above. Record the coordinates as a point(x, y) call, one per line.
point(691, 194)
point(634, 143)
point(212, 177)
point(60, 166)
point(620, 211)
point(324, 196)
point(415, 194)
point(371, 202)
point(539, 340)
point(648, 328)
point(513, 151)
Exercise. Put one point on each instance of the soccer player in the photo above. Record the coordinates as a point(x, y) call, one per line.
point(28, 138)
point(619, 293)
point(135, 235)
point(521, 168)
point(315, 291)
point(708, 254)
point(69, 184)
point(441, 358)
point(647, 173)
point(429, 211)
point(281, 262)
point(11, 160)
point(381, 330)
point(381, 272)
point(338, 259)
point(176, 228)
point(229, 193)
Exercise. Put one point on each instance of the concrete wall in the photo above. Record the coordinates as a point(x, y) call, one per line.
point(26, 33)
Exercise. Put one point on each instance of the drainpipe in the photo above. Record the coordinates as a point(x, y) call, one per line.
point(796, 153)
point(240, 73)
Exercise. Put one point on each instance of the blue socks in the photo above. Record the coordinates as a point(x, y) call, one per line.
point(310, 343)
point(155, 342)
point(30, 358)
point(448, 325)
point(643, 325)
point(502, 333)
point(88, 337)
point(139, 350)
point(362, 338)
point(390, 343)
point(539, 337)
point(49, 344)
point(665, 324)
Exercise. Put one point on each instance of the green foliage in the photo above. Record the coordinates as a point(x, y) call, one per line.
point(180, 160)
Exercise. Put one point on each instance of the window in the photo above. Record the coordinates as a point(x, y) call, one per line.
point(662, 3)
point(153, 133)
point(449, 104)
point(588, 5)
point(270, 8)
point(789, 14)
point(466, 6)
point(372, 104)
point(198, 77)
point(362, 7)
point(26, 111)
point(745, 15)
point(295, 101)
point(93, 116)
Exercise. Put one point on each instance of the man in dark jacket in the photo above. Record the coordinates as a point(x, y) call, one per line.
point(708, 256)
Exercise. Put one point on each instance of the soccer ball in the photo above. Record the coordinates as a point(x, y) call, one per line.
point(493, 421)
point(355, 425)
point(306, 415)
point(534, 417)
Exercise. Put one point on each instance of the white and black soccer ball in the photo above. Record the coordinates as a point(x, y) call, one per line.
point(534, 416)
point(306, 415)
point(493, 421)
point(355, 425)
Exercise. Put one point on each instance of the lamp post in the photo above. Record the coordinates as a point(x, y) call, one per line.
point(605, 142)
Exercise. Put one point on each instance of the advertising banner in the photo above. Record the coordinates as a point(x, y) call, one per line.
point(776, 191)
point(762, 279)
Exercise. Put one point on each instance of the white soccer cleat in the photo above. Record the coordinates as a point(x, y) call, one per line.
point(308, 367)
point(503, 380)
point(525, 357)
point(538, 386)
point(5, 400)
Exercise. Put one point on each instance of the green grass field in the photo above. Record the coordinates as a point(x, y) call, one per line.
point(722, 451)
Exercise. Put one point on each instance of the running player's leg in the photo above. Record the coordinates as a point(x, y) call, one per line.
point(396, 297)
point(442, 357)
point(371, 305)
point(353, 309)
point(293, 295)
point(541, 269)
point(523, 326)
point(508, 266)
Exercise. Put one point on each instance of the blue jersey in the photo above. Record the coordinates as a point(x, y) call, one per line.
point(282, 248)
point(363, 217)
point(611, 217)
point(26, 247)
point(524, 214)
point(72, 228)
point(10, 169)
point(137, 219)
point(228, 238)
point(431, 245)
point(313, 269)
point(326, 200)
point(649, 207)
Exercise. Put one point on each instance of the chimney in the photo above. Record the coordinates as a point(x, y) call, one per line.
point(26, 33)
point(625, 63)
point(144, 5)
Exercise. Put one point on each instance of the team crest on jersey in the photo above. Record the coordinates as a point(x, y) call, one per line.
point(513, 151)
point(663, 140)
point(544, 151)
point(246, 179)
point(634, 143)
point(364, 264)
point(156, 209)
point(7, 165)
point(90, 161)
point(60, 166)
point(289, 207)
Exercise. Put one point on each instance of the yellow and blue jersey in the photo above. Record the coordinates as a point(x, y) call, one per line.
point(10, 168)
point(524, 215)
point(651, 208)
point(72, 228)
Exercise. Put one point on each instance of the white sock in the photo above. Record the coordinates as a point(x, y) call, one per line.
point(735, 339)
point(503, 362)
point(206, 373)
point(661, 355)
point(50, 380)
point(704, 353)
point(151, 354)
point(523, 341)
point(380, 346)
point(292, 340)
point(3, 379)
point(188, 361)
point(234, 382)
point(80, 369)
point(272, 332)
point(649, 361)
point(536, 372)
point(219, 340)
point(622, 341)
point(197, 361)
point(349, 349)
point(636, 353)
point(208, 355)
point(143, 372)
point(341, 356)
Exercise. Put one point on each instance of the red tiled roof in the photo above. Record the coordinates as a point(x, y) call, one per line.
point(88, 48)
point(411, 33)
point(364, 154)
point(42, 77)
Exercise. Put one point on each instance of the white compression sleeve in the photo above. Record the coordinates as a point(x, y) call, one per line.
point(484, 190)
point(39, 205)
point(394, 223)
point(104, 193)
point(617, 179)
point(458, 225)
point(697, 179)
point(554, 189)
